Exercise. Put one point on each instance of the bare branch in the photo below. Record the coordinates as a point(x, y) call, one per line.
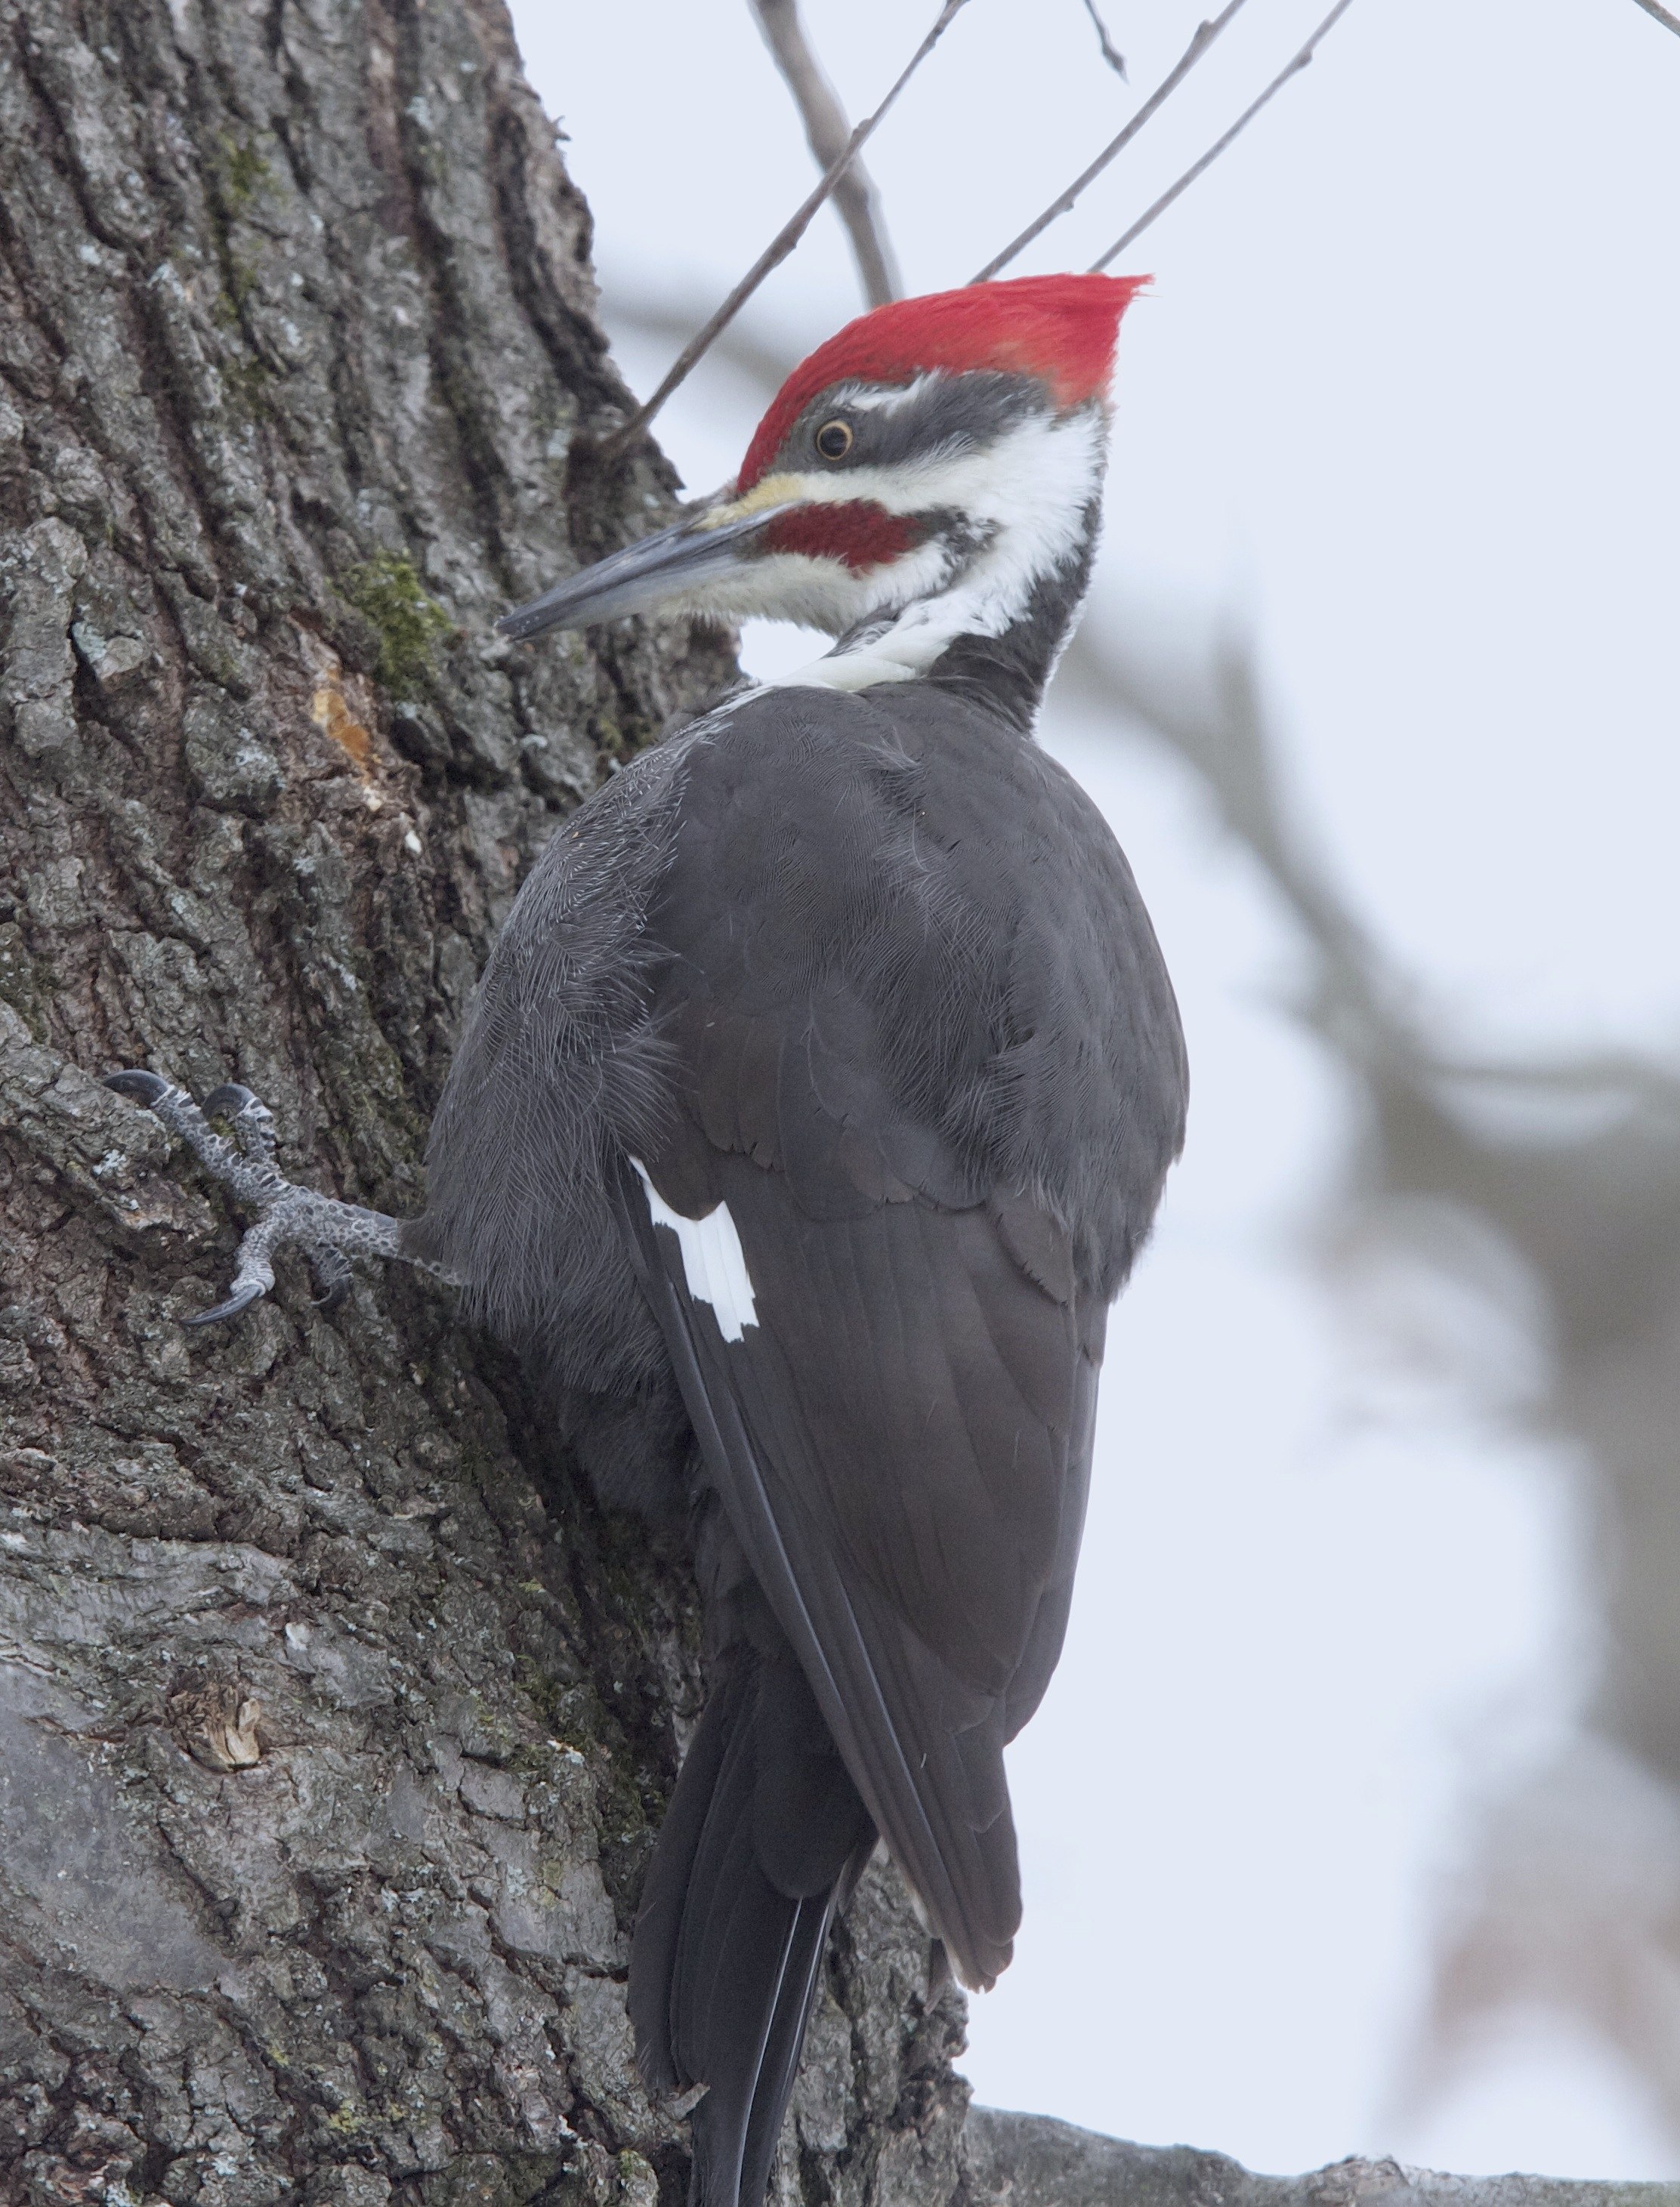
point(779, 246)
point(1116, 60)
point(1205, 35)
point(1292, 68)
point(1032, 2160)
point(827, 132)
point(1660, 14)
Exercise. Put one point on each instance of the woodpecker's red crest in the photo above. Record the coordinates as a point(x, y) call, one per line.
point(914, 481)
point(1061, 329)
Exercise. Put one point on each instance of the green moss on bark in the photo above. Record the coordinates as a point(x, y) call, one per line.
point(386, 590)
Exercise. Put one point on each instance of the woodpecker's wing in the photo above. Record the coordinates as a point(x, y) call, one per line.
point(898, 1416)
point(896, 984)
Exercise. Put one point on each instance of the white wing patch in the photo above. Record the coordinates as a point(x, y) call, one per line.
point(714, 1264)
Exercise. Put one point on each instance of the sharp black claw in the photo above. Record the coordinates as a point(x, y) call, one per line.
point(144, 1087)
point(227, 1102)
point(333, 1272)
point(241, 1300)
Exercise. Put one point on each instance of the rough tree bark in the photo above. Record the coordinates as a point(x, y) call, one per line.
point(335, 1719)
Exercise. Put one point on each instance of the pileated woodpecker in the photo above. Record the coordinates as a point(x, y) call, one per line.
point(817, 1099)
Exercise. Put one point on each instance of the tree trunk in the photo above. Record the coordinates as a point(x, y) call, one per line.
point(335, 1717)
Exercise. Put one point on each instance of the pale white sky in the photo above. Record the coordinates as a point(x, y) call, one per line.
point(1404, 399)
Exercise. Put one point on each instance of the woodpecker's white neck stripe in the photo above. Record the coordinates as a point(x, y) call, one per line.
point(714, 1264)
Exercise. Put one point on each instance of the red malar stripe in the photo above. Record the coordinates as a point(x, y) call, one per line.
point(860, 535)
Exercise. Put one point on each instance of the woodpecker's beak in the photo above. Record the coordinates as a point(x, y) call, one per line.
point(710, 546)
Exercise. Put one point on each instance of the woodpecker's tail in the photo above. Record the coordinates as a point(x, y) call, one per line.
point(765, 1838)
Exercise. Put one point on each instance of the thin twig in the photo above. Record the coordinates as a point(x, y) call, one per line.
point(1669, 22)
point(1205, 35)
point(1293, 68)
point(779, 246)
point(827, 131)
point(1116, 60)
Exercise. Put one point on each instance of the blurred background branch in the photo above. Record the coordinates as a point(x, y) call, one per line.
point(1560, 1172)
point(828, 134)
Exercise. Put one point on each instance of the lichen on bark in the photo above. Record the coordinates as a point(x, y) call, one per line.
point(335, 1716)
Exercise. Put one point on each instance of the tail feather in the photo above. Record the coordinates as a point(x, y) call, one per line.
point(765, 1837)
point(786, 2034)
point(659, 1926)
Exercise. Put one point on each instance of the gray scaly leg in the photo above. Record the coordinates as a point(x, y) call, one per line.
point(329, 1232)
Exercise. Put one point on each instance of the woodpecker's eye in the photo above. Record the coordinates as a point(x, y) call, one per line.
point(833, 440)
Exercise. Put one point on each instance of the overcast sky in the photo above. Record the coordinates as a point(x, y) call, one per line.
point(1402, 402)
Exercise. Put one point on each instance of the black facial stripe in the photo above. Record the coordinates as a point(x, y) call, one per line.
point(960, 533)
point(944, 413)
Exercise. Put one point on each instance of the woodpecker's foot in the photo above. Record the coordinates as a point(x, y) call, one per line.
point(328, 1231)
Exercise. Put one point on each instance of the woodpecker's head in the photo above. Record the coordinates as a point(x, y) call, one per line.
point(931, 474)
